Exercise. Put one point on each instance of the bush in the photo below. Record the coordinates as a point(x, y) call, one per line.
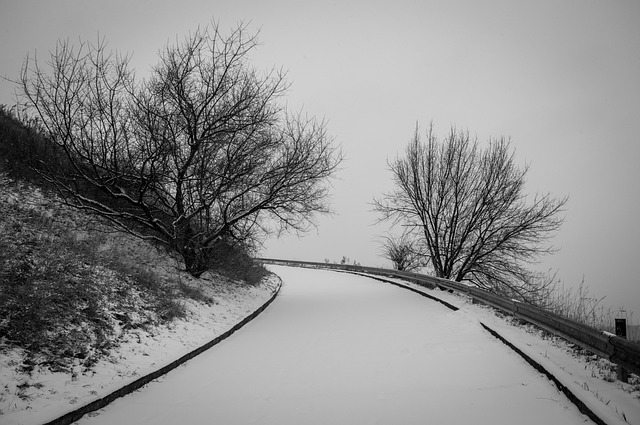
point(24, 150)
point(233, 260)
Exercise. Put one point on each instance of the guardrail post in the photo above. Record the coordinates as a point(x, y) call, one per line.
point(621, 331)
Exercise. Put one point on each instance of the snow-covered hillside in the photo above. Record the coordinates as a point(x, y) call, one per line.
point(84, 311)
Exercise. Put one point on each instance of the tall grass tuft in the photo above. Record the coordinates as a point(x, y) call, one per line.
point(580, 305)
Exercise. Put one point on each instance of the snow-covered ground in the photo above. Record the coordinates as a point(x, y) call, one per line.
point(339, 348)
point(332, 348)
point(50, 395)
point(587, 377)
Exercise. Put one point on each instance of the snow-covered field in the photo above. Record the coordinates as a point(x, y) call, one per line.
point(345, 349)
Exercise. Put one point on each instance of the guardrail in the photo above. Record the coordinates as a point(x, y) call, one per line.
point(618, 350)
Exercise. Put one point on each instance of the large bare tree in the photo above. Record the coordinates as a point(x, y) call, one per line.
point(468, 206)
point(201, 150)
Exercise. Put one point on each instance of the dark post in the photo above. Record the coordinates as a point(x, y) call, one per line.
point(621, 331)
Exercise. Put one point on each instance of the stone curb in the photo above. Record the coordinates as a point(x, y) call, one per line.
point(75, 415)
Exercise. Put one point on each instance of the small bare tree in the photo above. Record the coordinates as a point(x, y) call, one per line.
point(403, 252)
point(200, 151)
point(469, 207)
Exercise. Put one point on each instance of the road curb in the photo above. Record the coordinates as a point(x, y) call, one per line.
point(75, 415)
point(561, 387)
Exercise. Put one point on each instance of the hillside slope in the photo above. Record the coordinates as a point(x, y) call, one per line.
point(82, 309)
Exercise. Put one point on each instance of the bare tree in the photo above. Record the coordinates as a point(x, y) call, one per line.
point(403, 251)
point(201, 150)
point(469, 207)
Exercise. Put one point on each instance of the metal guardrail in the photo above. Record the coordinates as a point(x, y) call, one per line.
point(618, 350)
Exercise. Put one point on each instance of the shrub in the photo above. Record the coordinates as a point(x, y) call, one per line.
point(24, 150)
point(233, 260)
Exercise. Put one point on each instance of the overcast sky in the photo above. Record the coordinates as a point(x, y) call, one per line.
point(560, 78)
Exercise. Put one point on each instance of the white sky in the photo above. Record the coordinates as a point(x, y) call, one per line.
point(560, 78)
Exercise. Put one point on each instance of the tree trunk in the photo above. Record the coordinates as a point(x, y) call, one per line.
point(196, 260)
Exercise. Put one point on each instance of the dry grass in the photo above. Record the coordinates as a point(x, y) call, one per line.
point(580, 305)
point(66, 293)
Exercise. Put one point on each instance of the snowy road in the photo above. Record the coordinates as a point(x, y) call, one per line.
point(342, 349)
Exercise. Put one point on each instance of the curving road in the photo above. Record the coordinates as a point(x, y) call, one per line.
point(336, 348)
